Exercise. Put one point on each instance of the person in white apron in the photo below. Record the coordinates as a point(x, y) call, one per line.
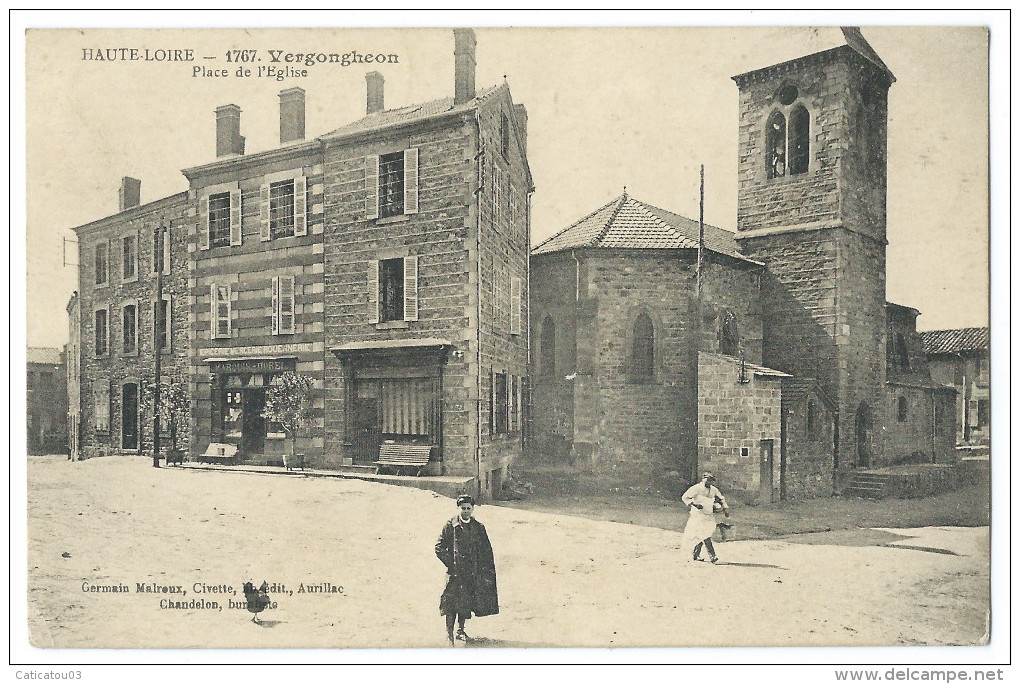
point(701, 523)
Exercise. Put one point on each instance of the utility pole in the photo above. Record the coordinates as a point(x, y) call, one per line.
point(158, 332)
point(701, 232)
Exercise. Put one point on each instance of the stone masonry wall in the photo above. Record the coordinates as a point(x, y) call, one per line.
point(809, 449)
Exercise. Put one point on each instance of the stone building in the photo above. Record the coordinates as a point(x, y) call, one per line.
point(771, 367)
point(387, 259)
point(47, 401)
point(72, 368)
point(959, 358)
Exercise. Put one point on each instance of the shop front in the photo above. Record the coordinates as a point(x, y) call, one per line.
point(238, 400)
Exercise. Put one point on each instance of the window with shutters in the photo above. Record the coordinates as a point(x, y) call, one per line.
point(102, 263)
point(160, 329)
point(219, 219)
point(101, 405)
point(129, 257)
point(393, 290)
point(102, 332)
point(281, 209)
point(391, 182)
point(161, 251)
point(283, 305)
point(220, 314)
point(129, 328)
point(499, 404)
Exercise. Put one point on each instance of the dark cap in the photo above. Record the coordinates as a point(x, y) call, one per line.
point(465, 498)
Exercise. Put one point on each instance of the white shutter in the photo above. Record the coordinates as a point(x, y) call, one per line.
point(276, 305)
point(166, 250)
point(286, 305)
point(203, 223)
point(213, 311)
point(515, 306)
point(372, 187)
point(411, 288)
point(373, 291)
point(229, 312)
point(300, 213)
point(411, 181)
point(265, 233)
point(235, 217)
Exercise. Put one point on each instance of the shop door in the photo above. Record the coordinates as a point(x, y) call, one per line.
point(253, 429)
point(129, 422)
point(367, 435)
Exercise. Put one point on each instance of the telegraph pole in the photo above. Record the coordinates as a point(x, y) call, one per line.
point(158, 332)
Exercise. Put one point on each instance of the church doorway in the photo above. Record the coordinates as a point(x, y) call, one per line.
point(863, 434)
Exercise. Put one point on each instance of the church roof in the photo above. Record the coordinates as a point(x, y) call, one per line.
point(627, 223)
point(955, 340)
point(792, 43)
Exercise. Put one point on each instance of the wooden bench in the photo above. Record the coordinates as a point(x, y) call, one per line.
point(397, 456)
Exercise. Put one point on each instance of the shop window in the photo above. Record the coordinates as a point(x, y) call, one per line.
point(643, 350)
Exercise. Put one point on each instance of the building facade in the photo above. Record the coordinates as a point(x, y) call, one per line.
point(47, 401)
point(72, 367)
point(960, 358)
point(386, 260)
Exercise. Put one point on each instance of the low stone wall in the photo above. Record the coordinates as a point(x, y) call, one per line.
point(921, 481)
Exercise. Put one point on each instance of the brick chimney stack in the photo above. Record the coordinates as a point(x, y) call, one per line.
point(292, 115)
point(130, 193)
point(374, 92)
point(228, 131)
point(463, 65)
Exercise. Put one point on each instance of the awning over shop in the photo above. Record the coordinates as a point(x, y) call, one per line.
point(423, 343)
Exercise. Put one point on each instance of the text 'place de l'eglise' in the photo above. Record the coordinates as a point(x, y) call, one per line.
point(390, 260)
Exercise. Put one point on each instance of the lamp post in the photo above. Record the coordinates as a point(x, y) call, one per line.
point(158, 332)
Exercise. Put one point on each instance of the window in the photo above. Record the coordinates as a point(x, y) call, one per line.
point(393, 289)
point(129, 262)
point(129, 417)
point(901, 409)
point(787, 150)
point(775, 146)
point(283, 305)
point(102, 332)
point(129, 328)
point(504, 136)
point(219, 297)
point(643, 351)
point(514, 404)
point(391, 182)
point(499, 404)
point(729, 342)
point(516, 304)
point(902, 357)
point(161, 250)
point(101, 405)
point(102, 263)
point(160, 330)
point(547, 361)
point(282, 208)
point(220, 219)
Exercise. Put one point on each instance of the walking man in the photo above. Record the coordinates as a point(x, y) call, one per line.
point(464, 549)
point(701, 497)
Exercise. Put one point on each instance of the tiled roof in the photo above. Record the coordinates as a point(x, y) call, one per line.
point(404, 115)
point(627, 223)
point(955, 340)
point(43, 355)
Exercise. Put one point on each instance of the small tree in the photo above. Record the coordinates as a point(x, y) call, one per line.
point(174, 404)
point(289, 403)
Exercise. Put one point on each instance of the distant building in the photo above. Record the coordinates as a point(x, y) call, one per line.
point(72, 360)
point(47, 401)
point(960, 357)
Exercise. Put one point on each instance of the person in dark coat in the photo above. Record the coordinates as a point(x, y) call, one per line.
point(464, 549)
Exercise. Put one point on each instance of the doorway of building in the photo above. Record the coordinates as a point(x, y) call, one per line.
point(129, 417)
point(863, 434)
point(253, 429)
point(366, 433)
point(767, 463)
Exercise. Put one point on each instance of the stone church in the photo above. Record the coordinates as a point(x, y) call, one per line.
point(769, 355)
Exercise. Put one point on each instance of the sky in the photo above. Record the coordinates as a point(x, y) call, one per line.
point(607, 108)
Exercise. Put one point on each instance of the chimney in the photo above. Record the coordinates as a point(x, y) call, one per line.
point(463, 65)
point(292, 115)
point(228, 131)
point(130, 193)
point(521, 115)
point(374, 90)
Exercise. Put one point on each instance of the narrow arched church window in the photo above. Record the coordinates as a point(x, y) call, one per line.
point(775, 146)
point(643, 352)
point(800, 140)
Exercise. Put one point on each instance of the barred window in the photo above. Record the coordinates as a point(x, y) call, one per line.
point(219, 219)
point(391, 184)
point(281, 209)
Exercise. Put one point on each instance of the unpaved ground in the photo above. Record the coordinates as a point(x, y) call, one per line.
point(564, 581)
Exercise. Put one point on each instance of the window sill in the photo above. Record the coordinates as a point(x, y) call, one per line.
point(106, 284)
point(392, 219)
point(133, 279)
point(392, 325)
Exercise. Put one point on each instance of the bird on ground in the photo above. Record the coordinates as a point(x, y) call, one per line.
point(257, 599)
